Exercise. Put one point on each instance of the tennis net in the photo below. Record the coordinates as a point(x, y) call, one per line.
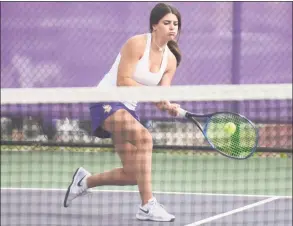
point(46, 135)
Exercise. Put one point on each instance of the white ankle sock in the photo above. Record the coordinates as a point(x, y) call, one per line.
point(150, 200)
point(84, 183)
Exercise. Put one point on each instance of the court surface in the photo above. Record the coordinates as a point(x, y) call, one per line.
point(197, 189)
point(44, 207)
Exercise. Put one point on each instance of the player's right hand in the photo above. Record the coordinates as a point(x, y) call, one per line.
point(173, 109)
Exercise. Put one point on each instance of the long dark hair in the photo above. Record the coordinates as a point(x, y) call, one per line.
point(157, 13)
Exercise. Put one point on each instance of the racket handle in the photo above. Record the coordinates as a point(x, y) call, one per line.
point(182, 112)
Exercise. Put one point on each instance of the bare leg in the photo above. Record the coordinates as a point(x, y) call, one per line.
point(134, 145)
point(119, 176)
point(112, 177)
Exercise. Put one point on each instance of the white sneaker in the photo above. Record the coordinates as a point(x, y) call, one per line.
point(78, 186)
point(153, 211)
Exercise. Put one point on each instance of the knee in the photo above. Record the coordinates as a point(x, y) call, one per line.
point(144, 139)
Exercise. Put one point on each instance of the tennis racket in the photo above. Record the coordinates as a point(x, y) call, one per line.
point(231, 134)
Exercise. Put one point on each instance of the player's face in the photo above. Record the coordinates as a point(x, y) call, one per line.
point(167, 26)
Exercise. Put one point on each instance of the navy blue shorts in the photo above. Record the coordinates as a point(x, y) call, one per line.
point(100, 112)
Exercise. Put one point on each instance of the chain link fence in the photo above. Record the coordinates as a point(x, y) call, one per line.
point(73, 44)
point(70, 44)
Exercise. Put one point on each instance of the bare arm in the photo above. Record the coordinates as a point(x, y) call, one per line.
point(130, 55)
point(166, 81)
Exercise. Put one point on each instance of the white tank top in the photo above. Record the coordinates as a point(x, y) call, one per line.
point(141, 74)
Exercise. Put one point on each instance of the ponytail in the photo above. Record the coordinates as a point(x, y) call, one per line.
point(174, 48)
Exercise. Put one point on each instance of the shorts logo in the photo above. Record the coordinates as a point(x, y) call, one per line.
point(107, 108)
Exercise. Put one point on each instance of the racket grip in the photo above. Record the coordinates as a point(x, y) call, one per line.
point(181, 112)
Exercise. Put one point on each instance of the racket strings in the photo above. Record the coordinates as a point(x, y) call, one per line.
point(239, 143)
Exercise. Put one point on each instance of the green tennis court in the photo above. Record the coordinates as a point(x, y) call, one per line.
point(199, 187)
point(173, 171)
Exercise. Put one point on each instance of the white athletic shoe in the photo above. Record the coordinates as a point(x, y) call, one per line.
point(153, 211)
point(77, 187)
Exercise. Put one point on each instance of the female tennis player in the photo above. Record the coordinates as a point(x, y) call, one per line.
point(145, 60)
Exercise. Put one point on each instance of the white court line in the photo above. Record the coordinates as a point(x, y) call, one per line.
point(232, 212)
point(158, 192)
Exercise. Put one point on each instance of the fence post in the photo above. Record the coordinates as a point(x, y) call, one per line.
point(236, 46)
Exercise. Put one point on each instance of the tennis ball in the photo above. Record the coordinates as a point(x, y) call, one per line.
point(230, 128)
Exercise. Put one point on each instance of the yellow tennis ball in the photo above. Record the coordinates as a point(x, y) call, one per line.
point(230, 128)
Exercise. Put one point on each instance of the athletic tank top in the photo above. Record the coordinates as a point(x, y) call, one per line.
point(141, 74)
